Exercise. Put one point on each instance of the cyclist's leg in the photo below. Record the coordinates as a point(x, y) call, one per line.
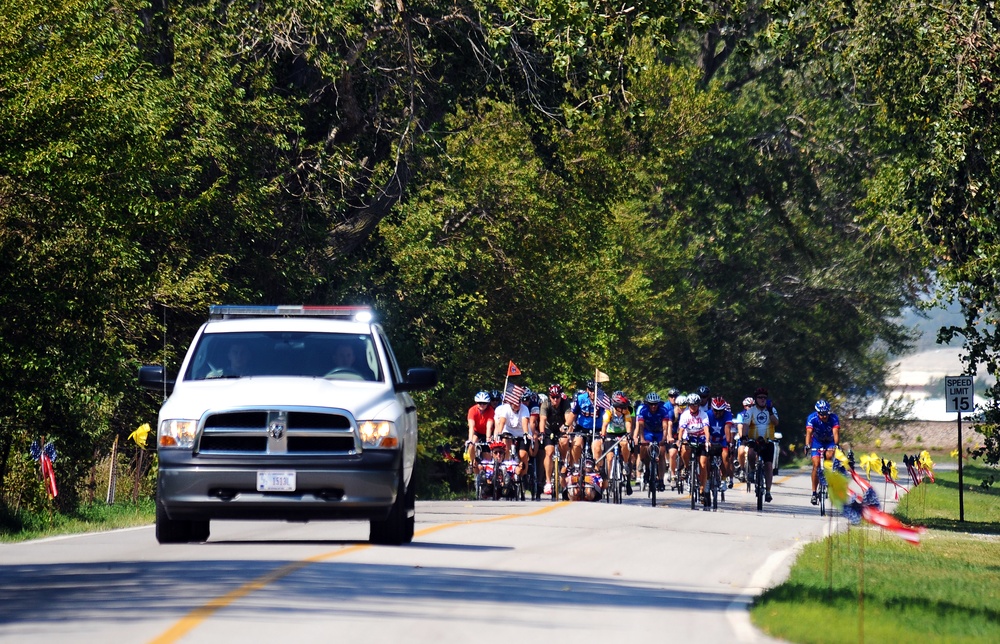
point(703, 469)
point(768, 458)
point(661, 461)
point(576, 454)
point(816, 465)
point(597, 449)
point(550, 450)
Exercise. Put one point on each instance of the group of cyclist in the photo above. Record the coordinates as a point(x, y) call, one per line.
point(683, 427)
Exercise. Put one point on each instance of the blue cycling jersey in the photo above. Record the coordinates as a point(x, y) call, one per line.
point(652, 429)
point(822, 431)
point(583, 409)
point(718, 427)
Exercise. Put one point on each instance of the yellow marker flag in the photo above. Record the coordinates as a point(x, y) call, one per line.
point(836, 483)
point(140, 434)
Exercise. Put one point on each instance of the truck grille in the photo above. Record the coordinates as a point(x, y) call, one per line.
point(300, 432)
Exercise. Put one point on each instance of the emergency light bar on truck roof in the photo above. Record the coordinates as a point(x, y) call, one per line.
point(229, 311)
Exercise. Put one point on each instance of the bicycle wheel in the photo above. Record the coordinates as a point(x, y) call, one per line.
point(821, 492)
point(481, 485)
point(654, 457)
point(693, 482)
point(759, 485)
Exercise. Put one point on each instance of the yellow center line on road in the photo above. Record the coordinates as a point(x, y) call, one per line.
point(191, 621)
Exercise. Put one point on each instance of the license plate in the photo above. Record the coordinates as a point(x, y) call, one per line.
point(275, 481)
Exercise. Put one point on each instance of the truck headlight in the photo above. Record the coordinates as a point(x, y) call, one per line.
point(177, 433)
point(378, 433)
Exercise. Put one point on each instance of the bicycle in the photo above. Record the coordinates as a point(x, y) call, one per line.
point(583, 475)
point(715, 483)
point(755, 477)
point(694, 468)
point(616, 474)
point(652, 470)
point(531, 476)
point(822, 489)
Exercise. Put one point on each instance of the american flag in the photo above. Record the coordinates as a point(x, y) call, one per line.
point(513, 393)
point(603, 402)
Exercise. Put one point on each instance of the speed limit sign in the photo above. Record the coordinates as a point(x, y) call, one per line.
point(959, 392)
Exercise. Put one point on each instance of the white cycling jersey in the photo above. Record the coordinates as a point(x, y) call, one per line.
point(761, 422)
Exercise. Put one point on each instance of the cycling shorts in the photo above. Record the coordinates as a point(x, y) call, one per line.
point(716, 449)
point(818, 447)
point(649, 437)
point(765, 449)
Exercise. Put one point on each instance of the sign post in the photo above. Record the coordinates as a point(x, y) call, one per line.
point(959, 393)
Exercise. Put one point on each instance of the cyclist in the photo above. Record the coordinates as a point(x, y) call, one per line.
point(706, 403)
point(652, 424)
point(480, 426)
point(617, 425)
point(586, 417)
point(762, 419)
point(720, 423)
point(695, 434)
point(822, 437)
point(512, 418)
point(742, 424)
point(555, 416)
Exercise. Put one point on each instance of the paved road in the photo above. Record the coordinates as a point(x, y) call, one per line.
point(477, 571)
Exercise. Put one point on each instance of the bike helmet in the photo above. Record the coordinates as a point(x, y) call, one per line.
point(495, 396)
point(729, 407)
point(748, 401)
point(482, 397)
point(618, 399)
point(673, 392)
point(495, 445)
point(590, 385)
point(703, 392)
point(653, 398)
point(719, 404)
point(555, 390)
point(694, 400)
point(760, 391)
point(822, 407)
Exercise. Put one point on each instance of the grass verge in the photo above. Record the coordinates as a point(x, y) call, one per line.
point(22, 526)
point(870, 585)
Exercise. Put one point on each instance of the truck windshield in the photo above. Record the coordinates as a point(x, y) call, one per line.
point(338, 356)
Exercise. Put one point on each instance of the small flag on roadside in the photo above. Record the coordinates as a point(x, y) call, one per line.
point(513, 393)
point(892, 524)
point(512, 370)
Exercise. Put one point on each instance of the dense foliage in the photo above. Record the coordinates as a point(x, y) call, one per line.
point(676, 193)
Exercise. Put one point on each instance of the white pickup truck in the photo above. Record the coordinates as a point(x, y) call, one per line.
point(292, 413)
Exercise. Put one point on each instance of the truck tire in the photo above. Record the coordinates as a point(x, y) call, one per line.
point(393, 531)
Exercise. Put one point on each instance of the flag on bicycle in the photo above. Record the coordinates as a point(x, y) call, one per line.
point(600, 376)
point(448, 455)
point(513, 394)
point(512, 370)
point(603, 401)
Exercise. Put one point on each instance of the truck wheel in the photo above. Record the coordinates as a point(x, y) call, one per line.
point(199, 531)
point(392, 531)
point(172, 531)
